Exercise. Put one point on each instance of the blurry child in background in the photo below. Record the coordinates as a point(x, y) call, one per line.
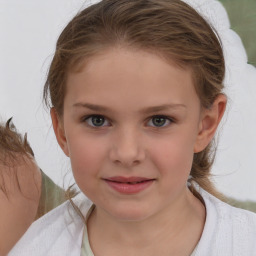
point(26, 193)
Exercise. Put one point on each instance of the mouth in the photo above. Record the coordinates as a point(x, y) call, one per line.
point(129, 185)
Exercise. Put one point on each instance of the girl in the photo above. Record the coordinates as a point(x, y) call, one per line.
point(136, 97)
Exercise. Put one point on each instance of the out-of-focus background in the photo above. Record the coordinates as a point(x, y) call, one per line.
point(242, 15)
point(28, 33)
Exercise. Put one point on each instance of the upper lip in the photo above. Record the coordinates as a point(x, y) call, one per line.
point(127, 179)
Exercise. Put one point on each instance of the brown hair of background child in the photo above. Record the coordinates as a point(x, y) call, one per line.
point(20, 186)
point(12, 144)
point(170, 29)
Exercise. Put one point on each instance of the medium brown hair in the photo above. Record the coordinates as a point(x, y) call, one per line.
point(14, 149)
point(12, 144)
point(169, 28)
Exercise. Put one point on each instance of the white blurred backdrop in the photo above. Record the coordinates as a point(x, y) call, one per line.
point(28, 33)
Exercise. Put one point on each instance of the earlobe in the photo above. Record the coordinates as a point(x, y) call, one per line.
point(209, 123)
point(59, 131)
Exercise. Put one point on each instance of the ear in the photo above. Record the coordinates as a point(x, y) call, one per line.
point(209, 121)
point(59, 131)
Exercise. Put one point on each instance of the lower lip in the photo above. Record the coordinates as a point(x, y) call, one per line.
point(126, 188)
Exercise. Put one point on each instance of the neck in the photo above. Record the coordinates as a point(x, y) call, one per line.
point(163, 233)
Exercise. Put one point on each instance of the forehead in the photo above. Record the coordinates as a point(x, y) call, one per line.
point(134, 76)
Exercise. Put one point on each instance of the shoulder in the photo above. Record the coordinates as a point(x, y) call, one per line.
point(228, 230)
point(59, 232)
point(229, 213)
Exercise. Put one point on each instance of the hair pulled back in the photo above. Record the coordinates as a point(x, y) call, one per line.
point(169, 28)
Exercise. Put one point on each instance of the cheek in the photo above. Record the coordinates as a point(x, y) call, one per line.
point(86, 155)
point(174, 157)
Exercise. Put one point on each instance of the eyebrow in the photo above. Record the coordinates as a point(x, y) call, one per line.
point(144, 110)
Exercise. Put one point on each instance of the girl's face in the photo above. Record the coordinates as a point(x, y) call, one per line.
point(131, 124)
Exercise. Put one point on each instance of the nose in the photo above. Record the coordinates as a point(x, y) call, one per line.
point(127, 148)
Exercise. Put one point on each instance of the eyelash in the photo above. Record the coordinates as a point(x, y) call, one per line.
point(167, 119)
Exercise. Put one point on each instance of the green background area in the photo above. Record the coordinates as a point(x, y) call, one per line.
point(242, 15)
point(247, 205)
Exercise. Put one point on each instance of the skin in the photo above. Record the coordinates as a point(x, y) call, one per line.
point(157, 220)
point(19, 208)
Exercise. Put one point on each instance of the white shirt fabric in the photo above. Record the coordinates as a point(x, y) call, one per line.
point(228, 231)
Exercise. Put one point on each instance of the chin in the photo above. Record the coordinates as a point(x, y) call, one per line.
point(130, 213)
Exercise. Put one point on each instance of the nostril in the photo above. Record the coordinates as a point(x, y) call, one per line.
point(127, 156)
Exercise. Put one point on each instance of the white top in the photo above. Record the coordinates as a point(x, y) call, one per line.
point(227, 231)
